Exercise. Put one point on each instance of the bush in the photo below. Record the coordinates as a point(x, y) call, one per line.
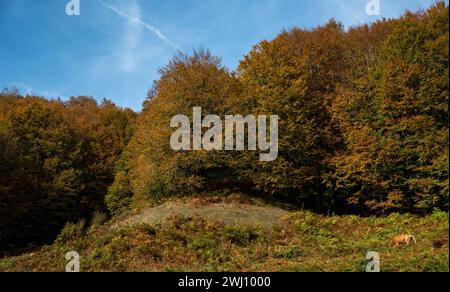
point(119, 195)
point(242, 235)
point(287, 252)
point(436, 264)
point(98, 219)
point(151, 230)
point(197, 244)
point(71, 231)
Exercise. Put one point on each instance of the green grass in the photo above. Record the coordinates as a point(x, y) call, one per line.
point(304, 242)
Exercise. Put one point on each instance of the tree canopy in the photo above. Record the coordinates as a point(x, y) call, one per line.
point(363, 128)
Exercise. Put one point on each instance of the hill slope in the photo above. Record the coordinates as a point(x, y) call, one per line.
point(230, 214)
point(172, 237)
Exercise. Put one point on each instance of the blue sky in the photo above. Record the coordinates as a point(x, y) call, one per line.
point(115, 47)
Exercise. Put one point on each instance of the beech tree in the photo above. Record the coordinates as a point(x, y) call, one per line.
point(155, 169)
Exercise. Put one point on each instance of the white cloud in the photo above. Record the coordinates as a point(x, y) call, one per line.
point(135, 18)
point(130, 40)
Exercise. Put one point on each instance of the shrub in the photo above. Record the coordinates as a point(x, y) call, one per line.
point(287, 252)
point(436, 264)
point(241, 235)
point(98, 219)
point(119, 195)
point(197, 244)
point(71, 231)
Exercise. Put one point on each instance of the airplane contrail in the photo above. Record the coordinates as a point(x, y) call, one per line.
point(149, 27)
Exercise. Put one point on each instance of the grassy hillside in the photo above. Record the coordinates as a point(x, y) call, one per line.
point(300, 241)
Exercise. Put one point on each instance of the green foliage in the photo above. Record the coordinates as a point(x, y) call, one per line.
point(436, 264)
point(201, 244)
point(71, 231)
point(119, 196)
point(242, 235)
point(287, 252)
point(211, 246)
point(99, 218)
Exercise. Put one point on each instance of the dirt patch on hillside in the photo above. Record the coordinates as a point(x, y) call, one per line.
point(230, 214)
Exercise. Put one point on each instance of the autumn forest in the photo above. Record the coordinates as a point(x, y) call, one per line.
point(363, 130)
